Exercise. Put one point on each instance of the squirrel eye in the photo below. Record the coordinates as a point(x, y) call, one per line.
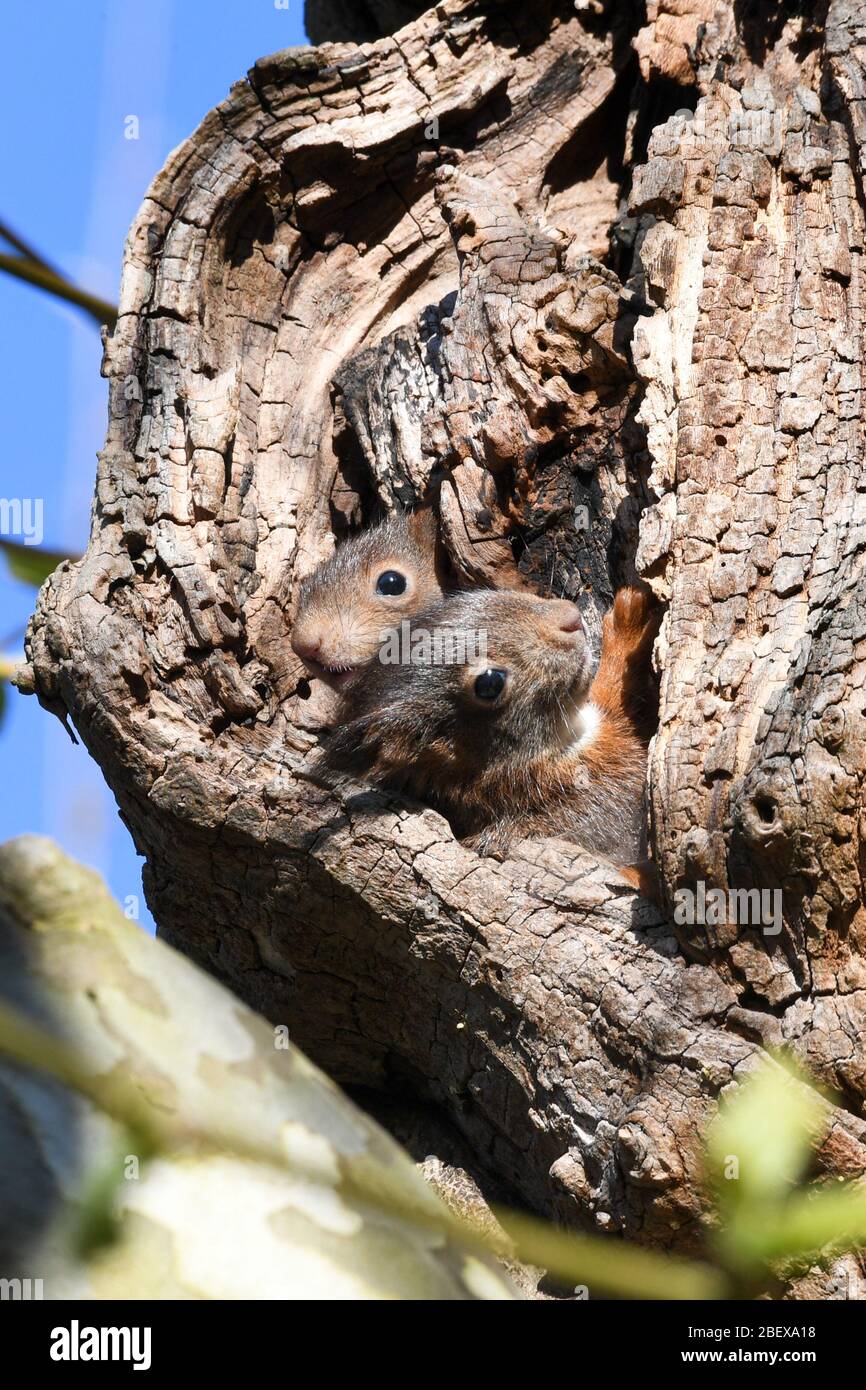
point(490, 684)
point(391, 583)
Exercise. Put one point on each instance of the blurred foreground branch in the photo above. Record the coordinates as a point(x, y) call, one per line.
point(32, 267)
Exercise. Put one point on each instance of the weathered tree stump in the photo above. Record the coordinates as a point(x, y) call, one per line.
point(601, 287)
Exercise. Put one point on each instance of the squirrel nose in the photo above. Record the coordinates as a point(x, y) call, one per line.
point(307, 648)
point(570, 617)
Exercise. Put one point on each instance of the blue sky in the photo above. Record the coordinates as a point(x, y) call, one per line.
point(72, 183)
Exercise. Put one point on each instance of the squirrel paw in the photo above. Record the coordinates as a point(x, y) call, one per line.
point(633, 621)
point(631, 609)
point(625, 683)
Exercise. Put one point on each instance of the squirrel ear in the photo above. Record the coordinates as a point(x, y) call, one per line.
point(422, 524)
point(424, 528)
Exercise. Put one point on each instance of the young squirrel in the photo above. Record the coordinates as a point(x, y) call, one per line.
point(520, 740)
point(369, 584)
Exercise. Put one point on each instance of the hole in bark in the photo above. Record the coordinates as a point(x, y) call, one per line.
point(359, 22)
point(227, 466)
point(138, 687)
point(766, 809)
point(251, 227)
point(136, 543)
point(578, 381)
point(465, 134)
point(761, 24)
point(518, 547)
point(598, 139)
point(662, 98)
point(756, 1003)
point(721, 439)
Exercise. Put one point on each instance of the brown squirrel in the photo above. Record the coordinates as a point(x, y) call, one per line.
point(518, 739)
point(370, 583)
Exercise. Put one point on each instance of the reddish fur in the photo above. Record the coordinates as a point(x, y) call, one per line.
point(623, 687)
point(644, 877)
point(623, 683)
point(623, 692)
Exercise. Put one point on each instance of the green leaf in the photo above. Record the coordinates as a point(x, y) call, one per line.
point(815, 1220)
point(760, 1142)
point(31, 564)
point(605, 1264)
point(7, 670)
point(98, 1223)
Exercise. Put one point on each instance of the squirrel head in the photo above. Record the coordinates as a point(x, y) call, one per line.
point(484, 682)
point(369, 585)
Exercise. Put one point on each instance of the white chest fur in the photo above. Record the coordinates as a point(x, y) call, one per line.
point(586, 724)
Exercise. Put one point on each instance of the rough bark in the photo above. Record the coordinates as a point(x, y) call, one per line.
point(488, 253)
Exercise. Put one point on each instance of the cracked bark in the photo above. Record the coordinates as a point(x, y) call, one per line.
point(601, 284)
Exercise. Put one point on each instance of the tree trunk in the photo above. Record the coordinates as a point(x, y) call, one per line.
point(604, 284)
